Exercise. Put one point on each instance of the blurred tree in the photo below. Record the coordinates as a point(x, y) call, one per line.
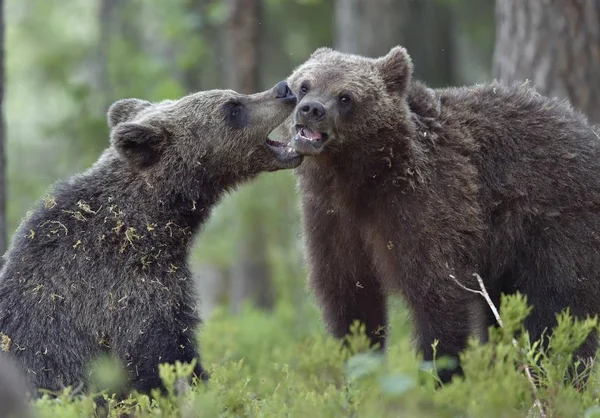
point(364, 29)
point(250, 275)
point(243, 33)
point(3, 234)
point(201, 68)
point(473, 39)
point(432, 50)
point(102, 87)
point(553, 43)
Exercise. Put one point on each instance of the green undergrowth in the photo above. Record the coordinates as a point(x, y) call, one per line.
point(283, 364)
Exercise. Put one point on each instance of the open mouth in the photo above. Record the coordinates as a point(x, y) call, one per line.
point(307, 134)
point(284, 153)
point(279, 147)
point(309, 141)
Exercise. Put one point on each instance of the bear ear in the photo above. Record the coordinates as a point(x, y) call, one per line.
point(124, 110)
point(141, 145)
point(320, 51)
point(396, 69)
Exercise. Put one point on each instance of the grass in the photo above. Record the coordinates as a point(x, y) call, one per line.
point(283, 364)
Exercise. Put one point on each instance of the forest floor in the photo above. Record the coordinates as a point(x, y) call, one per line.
point(283, 364)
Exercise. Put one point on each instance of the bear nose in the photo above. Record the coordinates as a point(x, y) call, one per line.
point(282, 90)
point(314, 111)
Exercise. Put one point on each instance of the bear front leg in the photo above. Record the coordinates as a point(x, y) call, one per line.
point(161, 343)
point(342, 277)
point(446, 319)
point(344, 300)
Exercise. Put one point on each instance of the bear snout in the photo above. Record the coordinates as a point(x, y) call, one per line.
point(312, 111)
point(283, 91)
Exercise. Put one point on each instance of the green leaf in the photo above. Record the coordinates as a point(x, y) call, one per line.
point(217, 12)
point(396, 385)
point(593, 412)
point(362, 365)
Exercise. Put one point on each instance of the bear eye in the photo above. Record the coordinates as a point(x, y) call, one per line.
point(236, 115)
point(303, 89)
point(345, 99)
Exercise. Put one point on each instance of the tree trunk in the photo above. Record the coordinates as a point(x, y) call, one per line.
point(371, 31)
point(363, 29)
point(191, 75)
point(250, 276)
point(432, 50)
point(3, 232)
point(207, 71)
point(553, 43)
point(101, 81)
point(243, 29)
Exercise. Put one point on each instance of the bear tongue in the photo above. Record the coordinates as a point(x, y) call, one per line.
point(309, 134)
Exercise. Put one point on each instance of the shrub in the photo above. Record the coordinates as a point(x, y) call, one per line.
point(283, 364)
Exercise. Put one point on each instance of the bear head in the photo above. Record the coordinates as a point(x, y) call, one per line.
point(216, 136)
point(344, 98)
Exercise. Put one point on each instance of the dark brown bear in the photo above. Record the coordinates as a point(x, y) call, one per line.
point(413, 190)
point(100, 265)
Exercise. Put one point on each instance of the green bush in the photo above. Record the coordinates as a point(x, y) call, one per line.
point(283, 364)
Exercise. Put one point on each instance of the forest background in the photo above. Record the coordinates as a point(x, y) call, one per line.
point(66, 61)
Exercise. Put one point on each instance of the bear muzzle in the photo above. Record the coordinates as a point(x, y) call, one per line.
point(283, 91)
point(309, 140)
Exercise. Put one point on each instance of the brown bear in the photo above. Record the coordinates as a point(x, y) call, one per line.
point(411, 190)
point(100, 265)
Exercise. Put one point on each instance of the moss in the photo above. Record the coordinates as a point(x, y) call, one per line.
point(56, 227)
point(86, 208)
point(5, 342)
point(77, 215)
point(49, 202)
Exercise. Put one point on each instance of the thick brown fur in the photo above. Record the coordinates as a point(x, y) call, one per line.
point(410, 189)
point(100, 266)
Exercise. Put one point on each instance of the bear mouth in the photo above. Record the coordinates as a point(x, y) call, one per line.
point(309, 141)
point(284, 153)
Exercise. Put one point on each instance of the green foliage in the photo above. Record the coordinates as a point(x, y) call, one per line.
point(106, 374)
point(283, 364)
point(496, 381)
